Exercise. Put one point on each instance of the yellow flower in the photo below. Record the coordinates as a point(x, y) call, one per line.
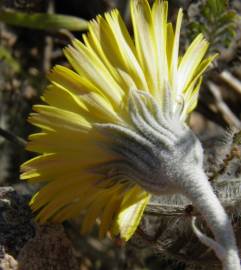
point(91, 151)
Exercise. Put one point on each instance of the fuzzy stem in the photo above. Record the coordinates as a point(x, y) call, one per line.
point(198, 189)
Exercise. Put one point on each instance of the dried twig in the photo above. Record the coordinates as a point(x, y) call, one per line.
point(49, 43)
point(158, 209)
point(231, 80)
point(12, 138)
point(67, 34)
point(230, 117)
point(223, 189)
point(234, 153)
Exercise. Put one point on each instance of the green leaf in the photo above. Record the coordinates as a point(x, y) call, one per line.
point(6, 56)
point(43, 21)
point(216, 21)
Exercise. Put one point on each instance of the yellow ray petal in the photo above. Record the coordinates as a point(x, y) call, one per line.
point(79, 195)
point(123, 47)
point(48, 166)
point(190, 62)
point(144, 41)
point(159, 15)
point(71, 81)
point(87, 92)
point(53, 142)
point(93, 41)
point(109, 212)
point(97, 106)
point(131, 211)
point(169, 48)
point(61, 185)
point(175, 51)
point(201, 68)
point(76, 207)
point(97, 207)
point(191, 99)
point(92, 214)
point(58, 119)
point(89, 65)
point(190, 93)
point(62, 98)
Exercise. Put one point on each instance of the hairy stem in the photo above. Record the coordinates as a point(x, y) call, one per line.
point(199, 191)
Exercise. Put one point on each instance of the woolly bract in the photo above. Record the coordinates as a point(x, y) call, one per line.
point(76, 159)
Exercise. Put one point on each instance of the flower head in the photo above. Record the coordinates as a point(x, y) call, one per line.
point(109, 126)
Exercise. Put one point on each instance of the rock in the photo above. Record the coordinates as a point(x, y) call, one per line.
point(36, 247)
point(7, 262)
point(15, 221)
point(49, 249)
